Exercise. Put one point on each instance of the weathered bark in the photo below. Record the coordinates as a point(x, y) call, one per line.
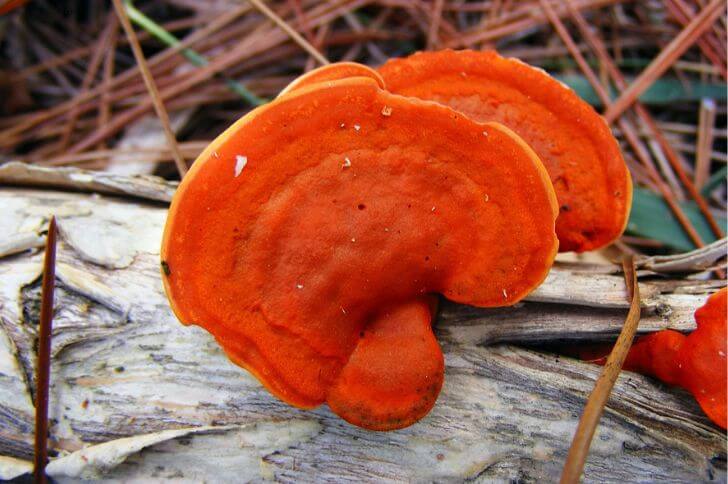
point(156, 399)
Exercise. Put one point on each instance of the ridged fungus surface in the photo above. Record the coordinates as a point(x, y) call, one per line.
point(591, 179)
point(310, 237)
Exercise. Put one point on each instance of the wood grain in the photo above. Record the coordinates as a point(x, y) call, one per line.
point(135, 395)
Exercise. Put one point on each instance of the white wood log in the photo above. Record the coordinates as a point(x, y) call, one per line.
point(135, 395)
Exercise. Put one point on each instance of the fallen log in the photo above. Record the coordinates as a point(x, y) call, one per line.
point(135, 395)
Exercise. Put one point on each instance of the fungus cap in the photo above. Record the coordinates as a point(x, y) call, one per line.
point(702, 358)
point(305, 246)
point(696, 362)
point(592, 182)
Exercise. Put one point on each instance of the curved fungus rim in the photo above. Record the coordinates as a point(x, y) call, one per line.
point(333, 72)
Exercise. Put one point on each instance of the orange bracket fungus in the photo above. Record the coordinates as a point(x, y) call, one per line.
point(696, 362)
point(310, 238)
point(591, 180)
point(702, 358)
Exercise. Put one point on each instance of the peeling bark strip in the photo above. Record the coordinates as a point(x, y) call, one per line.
point(124, 368)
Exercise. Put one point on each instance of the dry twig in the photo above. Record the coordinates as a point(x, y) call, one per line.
point(152, 87)
point(598, 399)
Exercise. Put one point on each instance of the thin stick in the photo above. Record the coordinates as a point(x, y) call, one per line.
point(223, 61)
point(129, 74)
point(191, 55)
point(243, 50)
point(664, 165)
point(319, 40)
point(305, 45)
point(433, 37)
point(680, 12)
point(603, 387)
point(108, 71)
point(44, 356)
point(704, 144)
point(102, 47)
point(151, 87)
point(666, 58)
point(77, 53)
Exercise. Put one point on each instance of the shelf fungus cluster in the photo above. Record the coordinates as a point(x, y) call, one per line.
point(315, 260)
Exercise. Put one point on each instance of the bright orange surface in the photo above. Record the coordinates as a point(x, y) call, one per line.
point(591, 180)
point(702, 358)
point(328, 214)
point(394, 375)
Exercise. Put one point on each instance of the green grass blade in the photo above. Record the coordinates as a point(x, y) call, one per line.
point(195, 59)
point(651, 218)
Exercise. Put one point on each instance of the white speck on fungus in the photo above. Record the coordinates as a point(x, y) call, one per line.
point(240, 162)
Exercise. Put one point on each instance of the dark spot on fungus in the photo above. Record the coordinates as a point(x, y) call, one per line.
point(165, 268)
point(361, 206)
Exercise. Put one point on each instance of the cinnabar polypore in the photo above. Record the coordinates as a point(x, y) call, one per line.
point(308, 236)
point(696, 362)
point(702, 358)
point(592, 182)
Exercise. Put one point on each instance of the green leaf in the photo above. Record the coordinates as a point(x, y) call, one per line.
point(666, 90)
point(714, 181)
point(652, 218)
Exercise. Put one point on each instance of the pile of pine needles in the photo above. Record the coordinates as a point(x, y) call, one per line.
point(72, 93)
